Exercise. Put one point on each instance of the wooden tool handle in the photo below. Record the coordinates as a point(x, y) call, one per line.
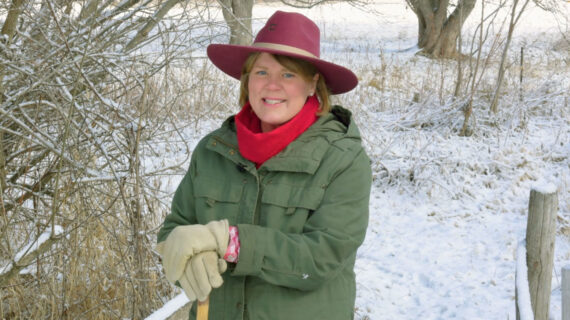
point(203, 308)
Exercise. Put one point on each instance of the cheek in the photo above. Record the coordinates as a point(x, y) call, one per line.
point(303, 90)
point(306, 87)
point(253, 84)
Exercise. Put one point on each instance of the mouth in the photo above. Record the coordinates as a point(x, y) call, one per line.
point(273, 101)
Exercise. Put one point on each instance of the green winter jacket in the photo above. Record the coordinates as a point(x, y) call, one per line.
point(301, 218)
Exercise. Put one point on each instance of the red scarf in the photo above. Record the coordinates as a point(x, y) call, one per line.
point(258, 146)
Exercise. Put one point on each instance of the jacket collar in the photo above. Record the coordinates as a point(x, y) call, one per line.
point(304, 154)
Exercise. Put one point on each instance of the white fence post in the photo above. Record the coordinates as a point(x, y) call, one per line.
point(522, 293)
point(566, 293)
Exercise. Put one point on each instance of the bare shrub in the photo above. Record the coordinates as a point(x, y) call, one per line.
point(88, 109)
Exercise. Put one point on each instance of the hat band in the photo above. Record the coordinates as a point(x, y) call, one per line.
point(282, 47)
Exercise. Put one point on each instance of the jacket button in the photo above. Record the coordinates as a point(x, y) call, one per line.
point(214, 143)
point(232, 152)
point(238, 305)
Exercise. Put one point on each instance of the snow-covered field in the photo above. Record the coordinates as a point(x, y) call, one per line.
point(447, 212)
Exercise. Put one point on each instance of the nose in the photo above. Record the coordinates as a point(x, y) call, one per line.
point(274, 82)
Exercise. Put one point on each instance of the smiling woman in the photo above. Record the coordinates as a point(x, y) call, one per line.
point(279, 194)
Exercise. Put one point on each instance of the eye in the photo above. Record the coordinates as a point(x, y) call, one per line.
point(260, 72)
point(288, 75)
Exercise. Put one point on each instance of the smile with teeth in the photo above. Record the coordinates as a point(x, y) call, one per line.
point(273, 101)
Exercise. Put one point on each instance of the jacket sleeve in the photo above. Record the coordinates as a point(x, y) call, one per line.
point(182, 210)
point(328, 243)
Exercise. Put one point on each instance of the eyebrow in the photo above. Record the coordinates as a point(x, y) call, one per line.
point(283, 68)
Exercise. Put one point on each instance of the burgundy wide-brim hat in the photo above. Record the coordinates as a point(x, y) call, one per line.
point(289, 34)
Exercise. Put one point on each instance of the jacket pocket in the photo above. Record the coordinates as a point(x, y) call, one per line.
point(287, 208)
point(216, 199)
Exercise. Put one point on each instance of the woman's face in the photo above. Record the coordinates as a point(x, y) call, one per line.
point(276, 94)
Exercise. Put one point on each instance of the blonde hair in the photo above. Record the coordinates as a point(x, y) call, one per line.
point(304, 68)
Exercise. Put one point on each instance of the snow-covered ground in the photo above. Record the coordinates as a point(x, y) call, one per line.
point(446, 212)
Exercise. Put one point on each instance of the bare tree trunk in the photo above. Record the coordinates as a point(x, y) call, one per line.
point(437, 32)
point(8, 30)
point(237, 14)
point(431, 16)
point(140, 307)
point(9, 27)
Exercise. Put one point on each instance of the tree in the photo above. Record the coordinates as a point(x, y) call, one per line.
point(237, 14)
point(437, 31)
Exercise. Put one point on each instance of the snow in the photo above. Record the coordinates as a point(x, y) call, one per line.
point(35, 244)
point(6, 268)
point(169, 308)
point(544, 186)
point(64, 89)
point(446, 212)
point(31, 247)
point(523, 293)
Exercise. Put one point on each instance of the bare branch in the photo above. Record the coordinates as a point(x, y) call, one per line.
point(40, 245)
point(151, 23)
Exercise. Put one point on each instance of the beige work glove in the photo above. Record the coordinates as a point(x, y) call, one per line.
point(202, 273)
point(184, 242)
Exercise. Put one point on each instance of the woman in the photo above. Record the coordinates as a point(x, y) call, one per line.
point(280, 192)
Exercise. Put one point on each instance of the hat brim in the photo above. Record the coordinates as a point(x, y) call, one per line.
point(230, 59)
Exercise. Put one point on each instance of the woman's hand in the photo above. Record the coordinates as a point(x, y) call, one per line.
point(202, 273)
point(186, 241)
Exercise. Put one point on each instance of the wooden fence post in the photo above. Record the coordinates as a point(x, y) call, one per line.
point(540, 237)
point(566, 293)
